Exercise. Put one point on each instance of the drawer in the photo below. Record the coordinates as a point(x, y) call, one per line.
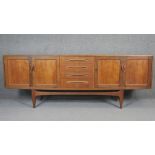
point(76, 84)
point(77, 78)
point(76, 75)
point(77, 72)
point(77, 61)
point(76, 69)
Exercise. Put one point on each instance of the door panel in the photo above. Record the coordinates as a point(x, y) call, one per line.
point(108, 72)
point(137, 71)
point(45, 72)
point(17, 72)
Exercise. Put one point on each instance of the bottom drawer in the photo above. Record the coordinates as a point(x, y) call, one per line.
point(76, 84)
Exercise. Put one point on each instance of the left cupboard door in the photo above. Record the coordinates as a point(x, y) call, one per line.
point(17, 72)
point(45, 71)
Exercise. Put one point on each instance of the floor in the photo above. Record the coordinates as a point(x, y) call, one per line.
point(66, 108)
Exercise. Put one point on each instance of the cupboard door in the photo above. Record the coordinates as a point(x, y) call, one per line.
point(108, 71)
point(17, 72)
point(45, 71)
point(137, 72)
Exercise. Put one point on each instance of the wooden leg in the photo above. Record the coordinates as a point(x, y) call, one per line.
point(41, 97)
point(33, 99)
point(119, 94)
point(121, 98)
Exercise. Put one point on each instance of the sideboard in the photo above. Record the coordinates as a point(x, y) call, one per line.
point(78, 74)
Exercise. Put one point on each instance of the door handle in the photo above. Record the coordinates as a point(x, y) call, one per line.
point(32, 68)
point(123, 67)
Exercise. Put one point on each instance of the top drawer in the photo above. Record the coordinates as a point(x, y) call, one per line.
point(76, 60)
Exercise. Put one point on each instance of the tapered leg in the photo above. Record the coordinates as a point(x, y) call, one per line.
point(121, 98)
point(33, 99)
point(41, 97)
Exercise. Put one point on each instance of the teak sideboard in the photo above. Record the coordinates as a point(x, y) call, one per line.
point(78, 74)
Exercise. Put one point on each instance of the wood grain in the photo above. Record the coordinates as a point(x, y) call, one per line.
point(45, 72)
point(108, 72)
point(17, 72)
point(101, 72)
point(137, 71)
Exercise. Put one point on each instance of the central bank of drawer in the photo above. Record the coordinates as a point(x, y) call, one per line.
point(77, 72)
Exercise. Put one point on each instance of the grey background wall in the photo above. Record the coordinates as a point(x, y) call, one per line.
point(76, 44)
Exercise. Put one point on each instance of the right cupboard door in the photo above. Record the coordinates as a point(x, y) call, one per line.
point(138, 72)
point(108, 72)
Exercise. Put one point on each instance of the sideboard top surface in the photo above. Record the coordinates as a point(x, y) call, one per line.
point(79, 55)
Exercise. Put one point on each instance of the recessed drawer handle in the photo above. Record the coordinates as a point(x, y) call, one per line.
point(77, 75)
point(77, 66)
point(77, 60)
point(77, 81)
